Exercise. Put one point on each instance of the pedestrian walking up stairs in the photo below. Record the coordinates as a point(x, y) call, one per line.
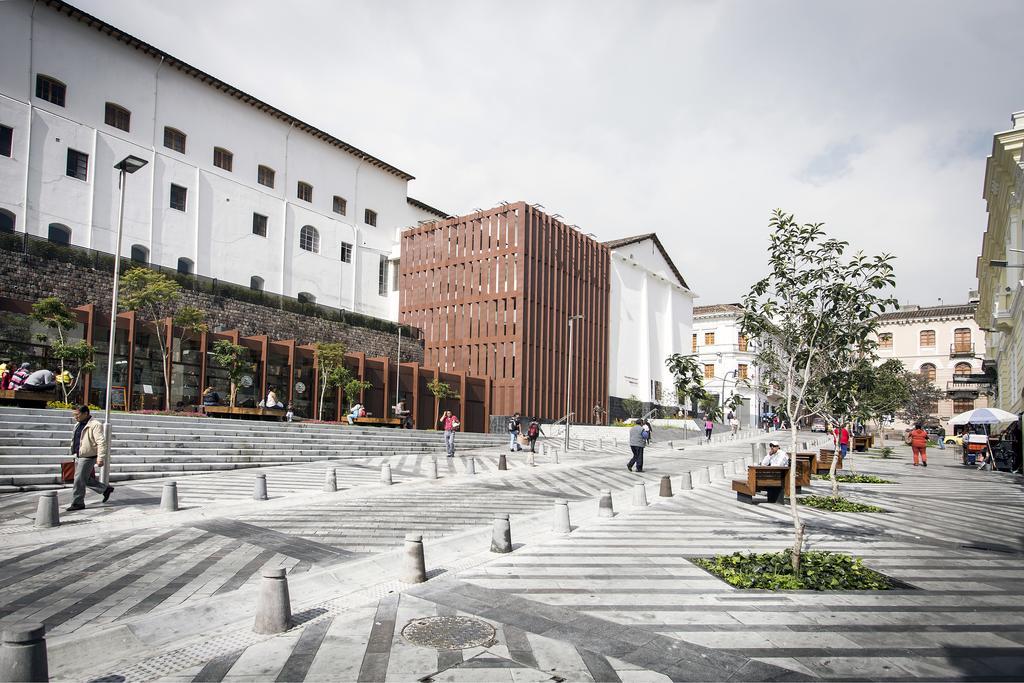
point(34, 441)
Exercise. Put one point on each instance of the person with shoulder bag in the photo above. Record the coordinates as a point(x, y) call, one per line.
point(88, 446)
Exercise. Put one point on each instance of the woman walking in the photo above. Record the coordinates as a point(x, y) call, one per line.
point(708, 427)
point(919, 442)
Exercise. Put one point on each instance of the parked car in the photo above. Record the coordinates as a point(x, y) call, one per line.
point(953, 440)
point(819, 425)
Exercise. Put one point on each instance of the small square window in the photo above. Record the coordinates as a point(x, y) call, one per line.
point(382, 276)
point(370, 217)
point(78, 164)
point(259, 225)
point(265, 176)
point(179, 197)
point(709, 372)
point(117, 116)
point(340, 205)
point(50, 89)
point(709, 338)
point(304, 192)
point(222, 158)
point(174, 139)
point(346, 252)
point(6, 140)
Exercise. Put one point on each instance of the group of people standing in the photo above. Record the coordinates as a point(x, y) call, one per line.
point(516, 433)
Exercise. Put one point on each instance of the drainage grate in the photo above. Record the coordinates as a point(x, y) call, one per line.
point(449, 633)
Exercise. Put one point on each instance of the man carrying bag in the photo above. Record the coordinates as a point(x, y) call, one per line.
point(87, 447)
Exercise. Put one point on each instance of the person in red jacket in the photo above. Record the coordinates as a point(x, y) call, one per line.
point(842, 435)
point(919, 442)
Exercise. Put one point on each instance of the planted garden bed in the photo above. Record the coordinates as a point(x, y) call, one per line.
point(855, 479)
point(837, 504)
point(819, 571)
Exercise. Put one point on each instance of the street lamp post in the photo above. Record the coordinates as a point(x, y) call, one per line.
point(130, 164)
point(568, 380)
point(724, 377)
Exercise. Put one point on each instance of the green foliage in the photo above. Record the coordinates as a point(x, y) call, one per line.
point(62, 405)
point(441, 391)
point(837, 504)
point(75, 359)
point(820, 571)
point(688, 378)
point(235, 361)
point(855, 478)
point(734, 402)
point(330, 360)
point(632, 406)
point(922, 395)
point(354, 387)
point(709, 406)
point(886, 452)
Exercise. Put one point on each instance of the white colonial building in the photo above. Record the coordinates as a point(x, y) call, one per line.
point(234, 188)
point(1001, 266)
point(727, 358)
point(651, 314)
point(944, 344)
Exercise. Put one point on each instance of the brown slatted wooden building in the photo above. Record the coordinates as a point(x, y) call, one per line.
point(493, 291)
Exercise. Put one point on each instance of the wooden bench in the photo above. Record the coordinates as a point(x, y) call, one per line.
point(245, 413)
point(380, 421)
point(771, 480)
point(825, 456)
point(27, 396)
point(862, 443)
point(805, 461)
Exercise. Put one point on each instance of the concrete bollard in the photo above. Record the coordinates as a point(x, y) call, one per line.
point(717, 472)
point(739, 466)
point(685, 482)
point(665, 491)
point(471, 466)
point(670, 445)
point(639, 495)
point(703, 476)
point(48, 511)
point(259, 489)
point(385, 474)
point(502, 462)
point(414, 568)
point(501, 534)
point(560, 523)
point(753, 452)
point(762, 450)
point(604, 506)
point(432, 470)
point(169, 497)
point(556, 455)
point(531, 459)
point(331, 480)
point(273, 605)
point(727, 468)
point(23, 653)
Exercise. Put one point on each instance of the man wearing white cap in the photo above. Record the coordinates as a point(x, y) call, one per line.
point(776, 457)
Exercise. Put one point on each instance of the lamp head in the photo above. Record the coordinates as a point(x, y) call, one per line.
point(130, 164)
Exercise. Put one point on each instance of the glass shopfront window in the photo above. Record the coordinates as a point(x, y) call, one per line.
point(302, 386)
point(98, 386)
point(278, 375)
point(148, 390)
point(186, 367)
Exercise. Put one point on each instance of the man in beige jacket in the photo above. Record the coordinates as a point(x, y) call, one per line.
point(88, 446)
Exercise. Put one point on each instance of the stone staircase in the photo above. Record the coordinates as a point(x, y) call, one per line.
point(33, 443)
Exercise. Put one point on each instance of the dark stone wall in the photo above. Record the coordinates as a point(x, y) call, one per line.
point(30, 278)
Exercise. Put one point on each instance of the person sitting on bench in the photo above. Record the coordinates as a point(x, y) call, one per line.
point(356, 413)
point(40, 380)
point(776, 457)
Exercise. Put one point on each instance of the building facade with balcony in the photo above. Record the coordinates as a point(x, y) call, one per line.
point(233, 188)
point(943, 343)
point(1001, 266)
point(727, 358)
point(651, 318)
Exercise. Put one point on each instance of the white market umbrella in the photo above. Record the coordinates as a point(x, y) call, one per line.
point(983, 416)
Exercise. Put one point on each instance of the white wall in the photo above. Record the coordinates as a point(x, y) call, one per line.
point(215, 231)
point(726, 357)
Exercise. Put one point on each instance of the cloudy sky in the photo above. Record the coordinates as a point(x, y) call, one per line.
point(692, 119)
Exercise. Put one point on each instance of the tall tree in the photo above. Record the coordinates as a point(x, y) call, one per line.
point(440, 390)
point(921, 398)
point(688, 378)
point(76, 358)
point(234, 358)
point(155, 296)
point(330, 363)
point(814, 303)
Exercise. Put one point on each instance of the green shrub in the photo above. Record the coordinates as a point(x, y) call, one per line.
point(837, 504)
point(61, 405)
point(855, 479)
point(819, 571)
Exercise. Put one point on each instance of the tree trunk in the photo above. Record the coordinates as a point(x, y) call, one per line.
point(832, 470)
point(437, 410)
point(320, 406)
point(231, 395)
point(798, 527)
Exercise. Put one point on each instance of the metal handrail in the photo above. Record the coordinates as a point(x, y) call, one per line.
point(652, 412)
point(563, 419)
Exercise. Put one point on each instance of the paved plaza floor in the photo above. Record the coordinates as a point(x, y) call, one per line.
point(129, 593)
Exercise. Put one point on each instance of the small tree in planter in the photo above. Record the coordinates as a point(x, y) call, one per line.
point(440, 390)
point(354, 387)
point(74, 358)
point(920, 399)
point(330, 364)
point(632, 406)
point(156, 296)
point(688, 378)
point(813, 303)
point(234, 358)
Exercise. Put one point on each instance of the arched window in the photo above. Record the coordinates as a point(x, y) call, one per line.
point(185, 266)
point(306, 298)
point(50, 89)
point(928, 370)
point(117, 116)
point(962, 340)
point(223, 158)
point(7, 220)
point(962, 369)
point(309, 239)
point(256, 283)
point(140, 254)
point(61, 234)
point(928, 339)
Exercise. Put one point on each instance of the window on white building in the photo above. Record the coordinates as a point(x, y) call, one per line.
point(306, 298)
point(265, 176)
point(928, 370)
point(309, 239)
point(885, 340)
point(259, 224)
point(256, 283)
point(78, 164)
point(140, 254)
point(709, 338)
point(346, 252)
point(340, 205)
point(7, 221)
point(59, 234)
point(741, 371)
point(185, 266)
point(117, 116)
point(174, 139)
point(50, 89)
point(223, 158)
point(179, 197)
point(709, 371)
point(382, 276)
point(370, 217)
point(6, 140)
point(304, 191)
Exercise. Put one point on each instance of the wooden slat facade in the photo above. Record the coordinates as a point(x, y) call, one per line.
point(492, 292)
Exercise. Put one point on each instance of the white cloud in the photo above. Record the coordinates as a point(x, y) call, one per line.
point(691, 119)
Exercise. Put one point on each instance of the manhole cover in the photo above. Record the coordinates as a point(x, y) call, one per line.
point(448, 633)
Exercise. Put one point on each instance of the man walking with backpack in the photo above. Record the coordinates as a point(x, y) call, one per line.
point(532, 432)
point(514, 429)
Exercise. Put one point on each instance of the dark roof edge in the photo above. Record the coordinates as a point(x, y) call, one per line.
point(130, 40)
point(950, 310)
point(625, 241)
point(427, 207)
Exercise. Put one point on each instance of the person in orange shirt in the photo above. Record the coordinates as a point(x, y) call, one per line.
point(918, 442)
